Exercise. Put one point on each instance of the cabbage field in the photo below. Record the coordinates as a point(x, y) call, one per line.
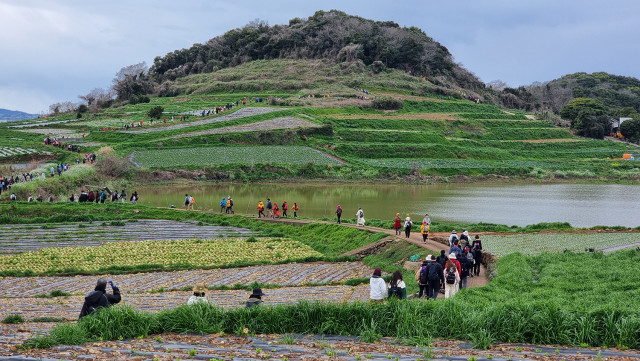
point(536, 243)
point(167, 158)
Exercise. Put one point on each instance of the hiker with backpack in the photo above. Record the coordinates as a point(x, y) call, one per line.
point(465, 269)
point(223, 205)
point(285, 206)
point(269, 208)
point(453, 237)
point(424, 230)
point(187, 201)
point(456, 249)
point(442, 260)
point(339, 213)
point(436, 277)
point(295, 210)
point(230, 205)
point(261, 209)
point(377, 286)
point(476, 247)
point(360, 216)
point(397, 287)
point(276, 211)
point(422, 277)
point(100, 298)
point(451, 276)
point(469, 255)
point(407, 226)
point(464, 239)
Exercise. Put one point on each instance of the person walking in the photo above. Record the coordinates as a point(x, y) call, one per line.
point(285, 206)
point(442, 260)
point(192, 203)
point(123, 197)
point(261, 209)
point(295, 210)
point(269, 208)
point(187, 201)
point(464, 239)
point(100, 298)
point(465, 267)
point(422, 277)
point(276, 211)
point(223, 205)
point(424, 230)
point(339, 213)
point(397, 224)
point(477, 255)
point(436, 277)
point(407, 226)
point(452, 277)
point(360, 216)
point(229, 205)
point(377, 286)
point(453, 237)
point(397, 287)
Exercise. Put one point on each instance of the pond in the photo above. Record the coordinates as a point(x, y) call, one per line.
point(582, 205)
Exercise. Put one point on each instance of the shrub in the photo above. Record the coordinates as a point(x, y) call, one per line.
point(386, 104)
point(13, 319)
point(113, 166)
point(155, 112)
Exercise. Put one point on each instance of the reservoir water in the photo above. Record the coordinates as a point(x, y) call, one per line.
point(582, 205)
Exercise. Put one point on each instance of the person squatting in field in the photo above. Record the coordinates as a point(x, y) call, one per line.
point(100, 298)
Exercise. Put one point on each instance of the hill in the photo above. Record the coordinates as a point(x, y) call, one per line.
point(10, 115)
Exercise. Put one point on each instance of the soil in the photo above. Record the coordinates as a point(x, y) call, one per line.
point(271, 124)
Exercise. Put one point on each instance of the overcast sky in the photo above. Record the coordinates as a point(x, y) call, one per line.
point(55, 50)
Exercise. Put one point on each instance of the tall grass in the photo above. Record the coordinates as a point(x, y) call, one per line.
point(567, 299)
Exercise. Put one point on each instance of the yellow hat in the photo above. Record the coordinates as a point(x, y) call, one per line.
point(199, 288)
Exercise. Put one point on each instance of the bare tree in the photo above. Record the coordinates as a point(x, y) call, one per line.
point(131, 80)
point(63, 107)
point(497, 84)
point(96, 97)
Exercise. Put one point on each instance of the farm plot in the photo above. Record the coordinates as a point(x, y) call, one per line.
point(271, 124)
point(241, 113)
point(18, 151)
point(167, 158)
point(183, 253)
point(69, 307)
point(54, 132)
point(451, 163)
point(290, 274)
point(537, 243)
point(18, 238)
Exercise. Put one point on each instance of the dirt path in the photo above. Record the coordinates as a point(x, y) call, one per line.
point(415, 238)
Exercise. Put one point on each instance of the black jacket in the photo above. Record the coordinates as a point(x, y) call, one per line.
point(99, 298)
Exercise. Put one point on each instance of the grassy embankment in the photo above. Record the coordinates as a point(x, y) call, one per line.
point(547, 299)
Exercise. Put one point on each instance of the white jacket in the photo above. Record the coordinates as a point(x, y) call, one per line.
point(378, 288)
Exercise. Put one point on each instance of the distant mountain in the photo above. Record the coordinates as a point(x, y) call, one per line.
point(10, 115)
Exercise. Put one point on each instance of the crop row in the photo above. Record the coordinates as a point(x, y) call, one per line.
point(194, 253)
point(14, 151)
point(230, 155)
point(536, 243)
point(451, 163)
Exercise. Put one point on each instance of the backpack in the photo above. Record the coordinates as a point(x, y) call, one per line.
point(231, 202)
point(395, 292)
point(424, 274)
point(464, 265)
point(284, 206)
point(451, 276)
point(433, 274)
point(361, 214)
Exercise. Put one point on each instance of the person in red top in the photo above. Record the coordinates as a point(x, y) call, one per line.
point(276, 210)
point(397, 224)
point(295, 210)
point(284, 208)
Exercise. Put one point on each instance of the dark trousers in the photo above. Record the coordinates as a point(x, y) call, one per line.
point(476, 267)
point(424, 290)
point(261, 212)
point(339, 215)
point(424, 237)
point(407, 232)
point(434, 289)
point(284, 212)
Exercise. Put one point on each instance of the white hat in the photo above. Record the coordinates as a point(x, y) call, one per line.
point(452, 256)
point(454, 231)
point(428, 258)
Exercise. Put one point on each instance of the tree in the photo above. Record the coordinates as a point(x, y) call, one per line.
point(96, 97)
point(573, 109)
point(630, 129)
point(155, 112)
point(132, 80)
point(497, 84)
point(590, 123)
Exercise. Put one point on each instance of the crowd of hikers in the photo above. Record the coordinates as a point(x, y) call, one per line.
point(442, 274)
point(273, 209)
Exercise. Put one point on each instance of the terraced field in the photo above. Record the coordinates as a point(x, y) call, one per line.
point(271, 124)
point(536, 243)
point(18, 238)
point(185, 157)
point(240, 113)
point(17, 151)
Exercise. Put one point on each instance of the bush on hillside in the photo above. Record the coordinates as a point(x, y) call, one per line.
point(386, 104)
point(630, 129)
point(136, 99)
point(155, 112)
point(113, 166)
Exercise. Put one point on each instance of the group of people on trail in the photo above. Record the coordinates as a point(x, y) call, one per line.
point(226, 205)
point(275, 211)
point(469, 251)
point(407, 224)
point(99, 297)
point(101, 196)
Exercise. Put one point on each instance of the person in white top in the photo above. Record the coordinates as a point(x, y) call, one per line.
point(360, 216)
point(451, 277)
point(198, 294)
point(453, 237)
point(378, 288)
